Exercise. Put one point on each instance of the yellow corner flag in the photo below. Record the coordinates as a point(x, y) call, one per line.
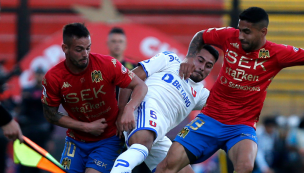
point(30, 154)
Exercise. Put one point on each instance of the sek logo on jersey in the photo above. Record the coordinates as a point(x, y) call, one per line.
point(96, 76)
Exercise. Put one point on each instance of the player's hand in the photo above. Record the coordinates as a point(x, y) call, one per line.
point(97, 127)
point(126, 121)
point(12, 131)
point(186, 68)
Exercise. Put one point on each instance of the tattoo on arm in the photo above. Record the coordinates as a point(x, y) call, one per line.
point(196, 42)
point(51, 113)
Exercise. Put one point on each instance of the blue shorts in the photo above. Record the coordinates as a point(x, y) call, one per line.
point(100, 155)
point(204, 135)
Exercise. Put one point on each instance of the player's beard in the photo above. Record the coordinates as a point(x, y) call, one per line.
point(77, 64)
point(197, 78)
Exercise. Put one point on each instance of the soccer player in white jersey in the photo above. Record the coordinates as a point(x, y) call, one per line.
point(169, 101)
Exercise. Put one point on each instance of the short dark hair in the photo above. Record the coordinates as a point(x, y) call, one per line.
point(255, 15)
point(210, 49)
point(117, 30)
point(74, 29)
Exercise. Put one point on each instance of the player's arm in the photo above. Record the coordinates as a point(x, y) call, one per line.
point(187, 66)
point(53, 116)
point(139, 90)
point(125, 93)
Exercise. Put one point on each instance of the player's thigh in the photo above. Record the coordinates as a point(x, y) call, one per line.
point(158, 152)
point(244, 151)
point(102, 157)
point(73, 157)
point(200, 138)
point(175, 160)
point(144, 137)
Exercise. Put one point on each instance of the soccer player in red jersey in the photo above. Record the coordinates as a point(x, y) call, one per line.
point(232, 110)
point(85, 86)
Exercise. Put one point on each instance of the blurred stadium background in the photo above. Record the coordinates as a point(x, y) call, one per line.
point(29, 27)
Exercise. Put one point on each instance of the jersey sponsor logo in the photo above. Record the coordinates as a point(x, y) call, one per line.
point(66, 162)
point(184, 132)
point(224, 81)
point(96, 76)
point(244, 62)
point(85, 94)
point(114, 61)
point(172, 58)
point(243, 87)
point(100, 163)
point(168, 78)
point(123, 69)
point(88, 107)
point(193, 92)
point(240, 75)
point(66, 85)
point(264, 53)
point(235, 45)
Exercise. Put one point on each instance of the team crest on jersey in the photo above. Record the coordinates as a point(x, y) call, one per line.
point(66, 85)
point(264, 53)
point(295, 49)
point(235, 45)
point(184, 132)
point(96, 76)
point(66, 162)
point(114, 61)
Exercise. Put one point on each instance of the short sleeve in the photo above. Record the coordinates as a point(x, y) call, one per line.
point(51, 90)
point(290, 56)
point(204, 94)
point(217, 36)
point(122, 76)
point(159, 62)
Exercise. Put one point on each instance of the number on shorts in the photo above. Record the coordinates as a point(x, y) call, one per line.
point(198, 123)
point(68, 150)
point(153, 114)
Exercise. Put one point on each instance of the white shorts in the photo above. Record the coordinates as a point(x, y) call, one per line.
point(148, 116)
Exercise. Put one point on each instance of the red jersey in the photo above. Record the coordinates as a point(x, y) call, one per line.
point(239, 92)
point(87, 96)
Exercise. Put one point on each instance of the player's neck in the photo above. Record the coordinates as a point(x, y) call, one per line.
point(263, 42)
point(75, 70)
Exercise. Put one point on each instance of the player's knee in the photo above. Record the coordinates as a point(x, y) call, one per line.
point(144, 138)
point(164, 166)
point(244, 167)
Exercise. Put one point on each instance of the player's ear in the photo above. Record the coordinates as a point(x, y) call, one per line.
point(64, 48)
point(264, 31)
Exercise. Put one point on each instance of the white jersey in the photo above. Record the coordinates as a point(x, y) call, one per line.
point(169, 101)
point(176, 97)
